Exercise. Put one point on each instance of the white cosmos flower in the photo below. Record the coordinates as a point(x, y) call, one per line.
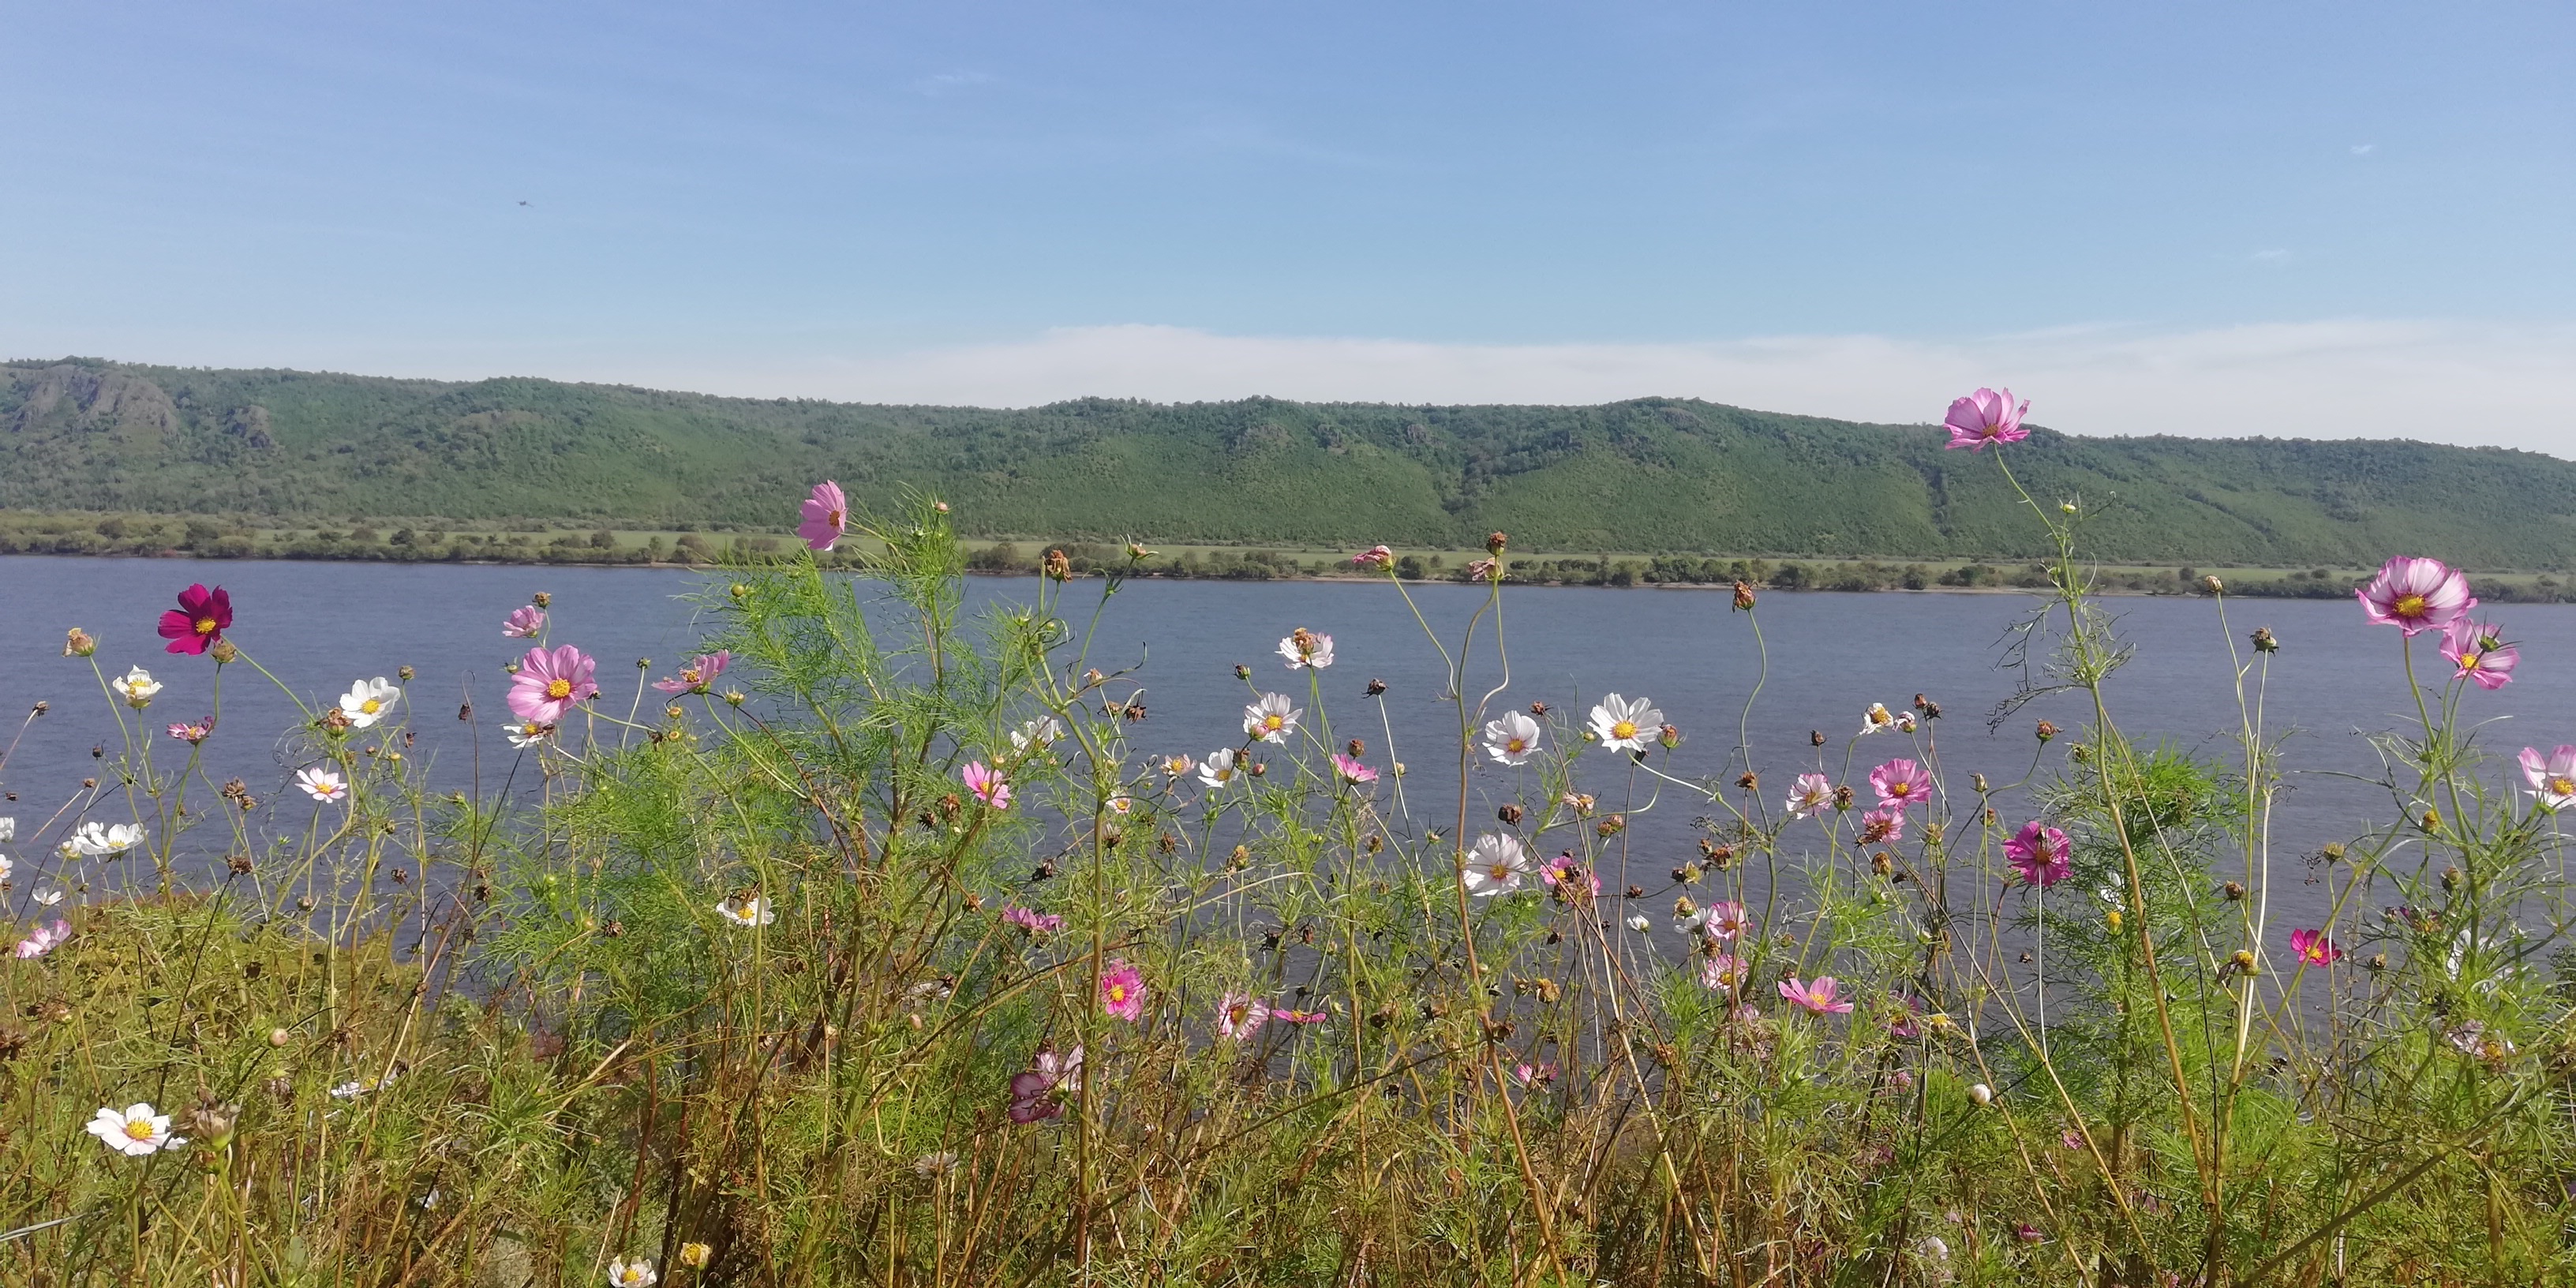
point(1876, 719)
point(5, 867)
point(1905, 722)
point(368, 701)
point(357, 1087)
point(135, 1131)
point(1623, 725)
point(48, 898)
point(1512, 739)
point(1271, 719)
point(321, 784)
point(528, 733)
point(97, 841)
point(1040, 733)
point(1220, 768)
point(136, 686)
point(1639, 923)
point(1495, 865)
point(1306, 648)
point(1178, 764)
point(747, 913)
point(1809, 794)
point(631, 1274)
point(8, 829)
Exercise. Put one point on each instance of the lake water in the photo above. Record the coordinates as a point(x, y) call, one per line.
point(320, 626)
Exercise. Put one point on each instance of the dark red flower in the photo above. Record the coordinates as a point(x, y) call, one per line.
point(199, 620)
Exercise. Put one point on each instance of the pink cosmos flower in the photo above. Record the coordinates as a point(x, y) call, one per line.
point(2552, 779)
point(827, 516)
point(1985, 417)
point(1882, 825)
point(1534, 1075)
point(193, 734)
point(45, 940)
point(1817, 997)
point(1033, 1090)
point(1374, 557)
point(697, 676)
point(1286, 1016)
point(2416, 595)
point(1036, 923)
point(1351, 771)
point(2479, 650)
point(1122, 991)
point(550, 684)
point(1809, 794)
point(1901, 783)
point(524, 623)
point(2314, 948)
point(199, 621)
point(1725, 971)
point(1240, 1015)
point(1726, 921)
point(2040, 854)
point(1564, 866)
point(987, 784)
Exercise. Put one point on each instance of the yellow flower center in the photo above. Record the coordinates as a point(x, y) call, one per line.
point(559, 689)
point(1624, 729)
point(371, 706)
point(2409, 606)
point(1272, 723)
point(1900, 789)
point(1515, 746)
point(1117, 992)
point(138, 1129)
point(689, 674)
point(206, 626)
point(2562, 786)
point(1499, 871)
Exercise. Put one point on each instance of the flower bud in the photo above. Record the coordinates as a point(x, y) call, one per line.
point(696, 1255)
point(405, 672)
point(940, 506)
point(1815, 737)
point(223, 651)
point(1669, 736)
point(1242, 672)
point(1977, 781)
point(2046, 731)
point(1510, 815)
point(2212, 584)
point(1982, 1094)
point(279, 1037)
point(1743, 597)
point(1494, 542)
point(78, 643)
point(2263, 641)
point(1376, 687)
point(541, 599)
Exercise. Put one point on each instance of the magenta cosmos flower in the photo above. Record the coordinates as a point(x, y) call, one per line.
point(2416, 595)
point(697, 676)
point(2552, 777)
point(987, 783)
point(550, 684)
point(1882, 826)
point(1817, 997)
point(2040, 854)
point(1352, 771)
point(2479, 650)
point(1985, 417)
point(2314, 948)
point(1033, 1092)
point(1901, 783)
point(827, 516)
point(199, 621)
point(524, 623)
point(1032, 921)
point(1122, 991)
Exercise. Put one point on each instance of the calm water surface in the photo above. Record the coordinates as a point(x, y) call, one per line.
point(320, 626)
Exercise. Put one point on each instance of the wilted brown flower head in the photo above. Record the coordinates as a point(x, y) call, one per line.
point(1376, 687)
point(1494, 543)
point(2263, 641)
point(1743, 597)
point(77, 643)
point(1058, 566)
point(2045, 731)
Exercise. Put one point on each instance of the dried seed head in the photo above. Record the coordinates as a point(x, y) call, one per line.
point(1376, 687)
point(77, 643)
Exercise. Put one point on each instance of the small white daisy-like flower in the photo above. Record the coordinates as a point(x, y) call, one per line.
point(1178, 765)
point(98, 840)
point(322, 784)
point(1271, 719)
point(1220, 768)
point(632, 1274)
point(368, 701)
point(1513, 739)
point(528, 733)
point(48, 898)
point(748, 913)
point(1876, 719)
point(136, 686)
point(1639, 923)
point(1495, 865)
point(135, 1131)
point(1622, 725)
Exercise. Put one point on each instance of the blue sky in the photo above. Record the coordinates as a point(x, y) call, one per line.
point(2291, 218)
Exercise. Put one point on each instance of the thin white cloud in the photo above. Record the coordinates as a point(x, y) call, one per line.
point(2364, 149)
point(2443, 382)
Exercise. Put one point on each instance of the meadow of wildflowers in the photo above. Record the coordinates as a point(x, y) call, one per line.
point(893, 947)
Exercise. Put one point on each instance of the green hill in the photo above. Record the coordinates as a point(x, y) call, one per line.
point(1650, 475)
